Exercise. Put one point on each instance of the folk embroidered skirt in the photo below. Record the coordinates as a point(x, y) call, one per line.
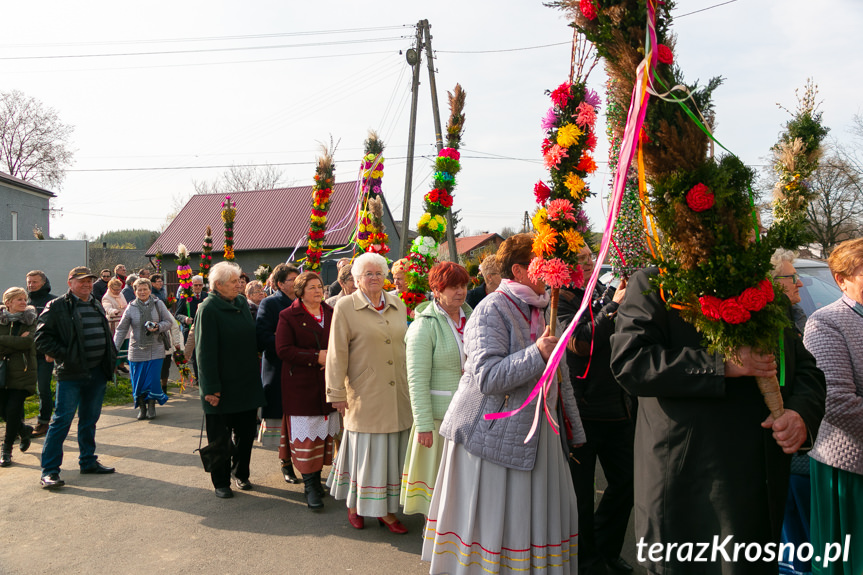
point(146, 381)
point(367, 471)
point(486, 518)
point(312, 441)
point(420, 472)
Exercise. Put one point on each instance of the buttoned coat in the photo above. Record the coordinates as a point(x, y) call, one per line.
point(266, 322)
point(367, 366)
point(704, 466)
point(834, 335)
point(299, 340)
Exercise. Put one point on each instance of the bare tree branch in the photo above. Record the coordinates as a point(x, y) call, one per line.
point(34, 143)
point(836, 213)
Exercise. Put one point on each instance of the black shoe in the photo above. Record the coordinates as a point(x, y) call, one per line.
point(40, 430)
point(224, 492)
point(313, 499)
point(619, 565)
point(242, 484)
point(290, 476)
point(6, 456)
point(319, 487)
point(26, 434)
point(98, 468)
point(51, 481)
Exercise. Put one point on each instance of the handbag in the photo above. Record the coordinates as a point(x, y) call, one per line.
point(216, 453)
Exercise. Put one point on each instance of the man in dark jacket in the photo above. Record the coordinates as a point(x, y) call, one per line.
point(271, 367)
point(712, 463)
point(74, 331)
point(39, 294)
point(100, 287)
point(186, 311)
point(607, 415)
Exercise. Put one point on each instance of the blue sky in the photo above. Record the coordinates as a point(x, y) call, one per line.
point(229, 106)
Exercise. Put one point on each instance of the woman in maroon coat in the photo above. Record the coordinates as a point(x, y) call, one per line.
point(301, 340)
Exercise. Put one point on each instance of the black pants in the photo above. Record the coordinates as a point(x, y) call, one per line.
point(12, 410)
point(601, 532)
point(237, 432)
point(166, 366)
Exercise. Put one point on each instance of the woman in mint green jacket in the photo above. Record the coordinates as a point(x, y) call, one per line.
point(435, 354)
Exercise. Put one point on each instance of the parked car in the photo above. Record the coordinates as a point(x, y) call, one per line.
point(819, 287)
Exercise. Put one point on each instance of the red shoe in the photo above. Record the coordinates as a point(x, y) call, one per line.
point(394, 527)
point(356, 521)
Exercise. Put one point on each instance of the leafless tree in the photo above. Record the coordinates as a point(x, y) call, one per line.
point(241, 179)
point(34, 143)
point(836, 214)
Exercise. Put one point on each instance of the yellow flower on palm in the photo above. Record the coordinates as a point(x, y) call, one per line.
point(575, 185)
point(539, 218)
point(574, 241)
point(567, 135)
point(544, 241)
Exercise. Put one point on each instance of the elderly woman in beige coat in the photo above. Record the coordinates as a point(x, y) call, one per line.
point(366, 375)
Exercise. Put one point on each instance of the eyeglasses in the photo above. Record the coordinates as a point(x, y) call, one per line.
point(793, 277)
point(106, 277)
point(373, 275)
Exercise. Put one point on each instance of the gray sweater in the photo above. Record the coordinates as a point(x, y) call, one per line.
point(502, 367)
point(143, 347)
point(834, 335)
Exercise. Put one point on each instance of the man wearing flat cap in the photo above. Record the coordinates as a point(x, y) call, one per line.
point(73, 330)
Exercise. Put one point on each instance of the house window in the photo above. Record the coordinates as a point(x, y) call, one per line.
point(14, 225)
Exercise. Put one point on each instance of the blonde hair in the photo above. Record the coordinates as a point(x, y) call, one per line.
point(400, 266)
point(847, 258)
point(12, 293)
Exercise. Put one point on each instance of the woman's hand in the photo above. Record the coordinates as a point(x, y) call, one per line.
point(322, 357)
point(546, 343)
point(425, 438)
point(621, 291)
point(341, 406)
point(25, 334)
point(49, 359)
point(213, 399)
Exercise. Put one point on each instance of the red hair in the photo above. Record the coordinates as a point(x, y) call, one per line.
point(447, 274)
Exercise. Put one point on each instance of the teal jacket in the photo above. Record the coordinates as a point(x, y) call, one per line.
point(433, 364)
point(227, 355)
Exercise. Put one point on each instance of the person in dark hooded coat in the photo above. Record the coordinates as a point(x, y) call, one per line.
point(39, 294)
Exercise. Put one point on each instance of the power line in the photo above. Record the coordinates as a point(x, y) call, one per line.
point(703, 9)
point(504, 49)
point(208, 38)
point(202, 50)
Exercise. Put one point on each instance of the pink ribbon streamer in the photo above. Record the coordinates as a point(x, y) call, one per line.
point(634, 123)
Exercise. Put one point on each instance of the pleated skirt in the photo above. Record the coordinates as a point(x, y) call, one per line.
point(837, 517)
point(420, 472)
point(486, 518)
point(367, 471)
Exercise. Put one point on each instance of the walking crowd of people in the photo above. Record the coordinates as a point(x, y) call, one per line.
point(420, 415)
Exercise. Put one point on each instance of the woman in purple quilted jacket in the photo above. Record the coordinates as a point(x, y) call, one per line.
point(834, 335)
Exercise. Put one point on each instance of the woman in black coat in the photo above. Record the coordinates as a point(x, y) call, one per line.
point(17, 328)
point(709, 459)
point(301, 341)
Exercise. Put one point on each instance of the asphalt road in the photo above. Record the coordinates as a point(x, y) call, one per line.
point(158, 512)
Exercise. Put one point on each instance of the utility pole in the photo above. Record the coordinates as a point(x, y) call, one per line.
point(450, 232)
point(413, 58)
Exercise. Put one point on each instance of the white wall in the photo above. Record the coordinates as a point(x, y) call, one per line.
point(54, 257)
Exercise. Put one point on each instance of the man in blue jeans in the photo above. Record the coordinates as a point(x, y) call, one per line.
point(74, 332)
point(39, 294)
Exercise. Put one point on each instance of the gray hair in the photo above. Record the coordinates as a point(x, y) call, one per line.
point(489, 266)
point(198, 277)
point(222, 272)
point(131, 279)
point(780, 256)
point(368, 258)
point(345, 273)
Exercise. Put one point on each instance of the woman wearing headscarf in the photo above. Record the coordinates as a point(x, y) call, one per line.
point(302, 337)
point(435, 352)
point(145, 318)
point(834, 335)
point(501, 504)
point(17, 328)
point(366, 378)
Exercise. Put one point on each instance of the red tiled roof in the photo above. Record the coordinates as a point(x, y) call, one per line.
point(266, 220)
point(467, 244)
